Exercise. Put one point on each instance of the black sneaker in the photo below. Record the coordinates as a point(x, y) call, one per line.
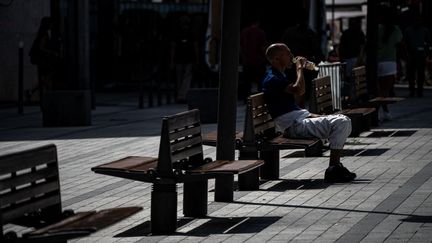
point(338, 173)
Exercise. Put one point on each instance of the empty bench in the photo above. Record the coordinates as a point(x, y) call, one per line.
point(321, 103)
point(260, 139)
point(30, 197)
point(361, 95)
point(180, 160)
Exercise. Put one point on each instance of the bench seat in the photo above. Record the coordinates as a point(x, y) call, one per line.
point(321, 103)
point(30, 197)
point(143, 169)
point(361, 94)
point(181, 160)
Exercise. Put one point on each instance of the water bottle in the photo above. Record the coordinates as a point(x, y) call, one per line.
point(309, 65)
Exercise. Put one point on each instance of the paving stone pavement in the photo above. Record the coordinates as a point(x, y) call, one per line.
point(389, 202)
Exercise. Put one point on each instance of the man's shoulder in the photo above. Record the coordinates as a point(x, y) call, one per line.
point(271, 74)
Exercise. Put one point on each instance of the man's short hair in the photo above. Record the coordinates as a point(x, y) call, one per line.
point(274, 49)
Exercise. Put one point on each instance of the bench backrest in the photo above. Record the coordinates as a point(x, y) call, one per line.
point(321, 96)
point(29, 186)
point(181, 143)
point(258, 122)
point(360, 84)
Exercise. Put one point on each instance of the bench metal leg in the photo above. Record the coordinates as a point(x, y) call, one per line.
point(270, 169)
point(315, 150)
point(164, 208)
point(367, 122)
point(224, 188)
point(195, 198)
point(249, 181)
point(245, 154)
point(356, 125)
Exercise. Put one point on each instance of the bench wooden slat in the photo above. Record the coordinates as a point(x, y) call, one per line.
point(30, 185)
point(298, 141)
point(363, 111)
point(190, 151)
point(324, 98)
point(225, 166)
point(186, 142)
point(90, 221)
point(210, 138)
point(183, 119)
point(16, 211)
point(129, 163)
point(262, 118)
point(29, 192)
point(262, 122)
point(185, 132)
point(325, 107)
point(263, 127)
point(386, 100)
point(259, 110)
point(28, 178)
point(359, 75)
point(32, 158)
point(323, 104)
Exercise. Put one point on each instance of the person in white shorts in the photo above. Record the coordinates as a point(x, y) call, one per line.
point(280, 88)
point(389, 37)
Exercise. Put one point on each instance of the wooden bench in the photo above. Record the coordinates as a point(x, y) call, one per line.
point(321, 103)
point(261, 140)
point(361, 94)
point(180, 160)
point(30, 197)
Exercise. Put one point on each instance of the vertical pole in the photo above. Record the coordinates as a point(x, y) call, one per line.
point(228, 79)
point(20, 77)
point(333, 22)
point(83, 44)
point(371, 45)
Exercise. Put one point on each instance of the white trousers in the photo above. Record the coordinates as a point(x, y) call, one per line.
point(335, 128)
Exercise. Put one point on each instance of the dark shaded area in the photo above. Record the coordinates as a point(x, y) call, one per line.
point(401, 133)
point(216, 225)
point(377, 134)
point(373, 152)
point(346, 152)
point(303, 184)
point(392, 133)
point(275, 16)
point(352, 152)
point(418, 219)
point(295, 154)
point(144, 229)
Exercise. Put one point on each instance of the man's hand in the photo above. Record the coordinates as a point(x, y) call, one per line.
point(300, 62)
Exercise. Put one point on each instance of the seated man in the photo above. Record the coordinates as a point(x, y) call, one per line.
point(279, 90)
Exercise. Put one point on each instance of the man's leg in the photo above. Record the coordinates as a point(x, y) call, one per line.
point(336, 129)
point(335, 155)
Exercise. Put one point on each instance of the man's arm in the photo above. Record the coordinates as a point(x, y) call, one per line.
point(298, 88)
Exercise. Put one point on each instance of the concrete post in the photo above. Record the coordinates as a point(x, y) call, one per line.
point(228, 80)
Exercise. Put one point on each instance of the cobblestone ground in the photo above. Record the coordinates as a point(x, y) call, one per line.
point(389, 202)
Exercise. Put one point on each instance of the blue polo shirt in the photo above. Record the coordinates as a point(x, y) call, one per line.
point(278, 101)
